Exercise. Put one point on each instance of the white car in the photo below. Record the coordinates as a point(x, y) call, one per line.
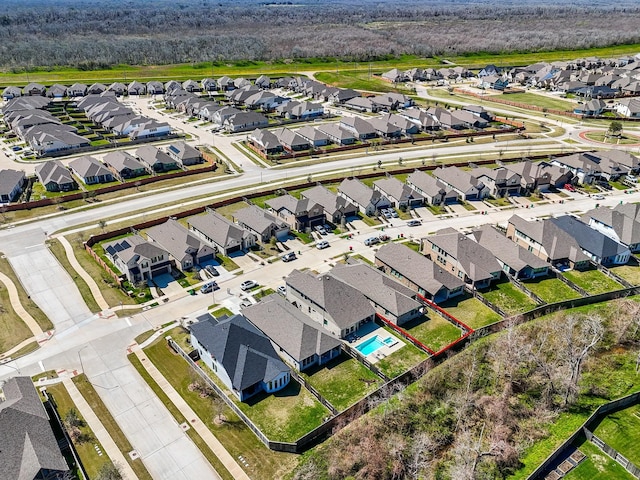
point(248, 285)
point(322, 244)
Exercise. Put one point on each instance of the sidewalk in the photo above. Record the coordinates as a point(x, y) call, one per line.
point(216, 447)
point(99, 431)
point(93, 286)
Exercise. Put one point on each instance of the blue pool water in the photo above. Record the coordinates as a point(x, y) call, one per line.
point(371, 345)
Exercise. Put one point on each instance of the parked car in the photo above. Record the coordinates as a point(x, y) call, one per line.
point(383, 237)
point(288, 257)
point(414, 223)
point(282, 290)
point(209, 287)
point(16, 148)
point(387, 213)
point(245, 303)
point(569, 187)
point(322, 244)
point(599, 197)
point(248, 285)
point(320, 229)
point(371, 241)
point(212, 270)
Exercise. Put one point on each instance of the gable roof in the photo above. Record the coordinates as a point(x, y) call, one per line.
point(9, 179)
point(27, 442)
point(244, 351)
point(87, 166)
point(52, 171)
point(457, 178)
point(294, 205)
point(132, 248)
point(393, 187)
point(152, 156)
point(506, 251)
point(174, 238)
point(257, 219)
point(183, 150)
point(417, 268)
point(219, 229)
point(289, 328)
point(120, 160)
point(591, 240)
point(627, 228)
point(359, 192)
point(425, 182)
point(329, 201)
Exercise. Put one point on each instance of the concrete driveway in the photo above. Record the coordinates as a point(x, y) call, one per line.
point(168, 284)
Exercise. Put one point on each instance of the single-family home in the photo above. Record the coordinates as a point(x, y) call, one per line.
point(11, 92)
point(395, 76)
point(297, 110)
point(337, 134)
point(406, 126)
point(336, 208)
point(240, 355)
point(90, 170)
point(463, 257)
point(124, 165)
point(421, 118)
point(96, 89)
point(628, 107)
point(540, 176)
point(261, 223)
point(11, 185)
point(616, 224)
point(184, 248)
point(57, 91)
point(592, 108)
point(514, 259)
point(299, 340)
point(547, 241)
point(391, 101)
point(155, 88)
point(462, 182)
point(432, 190)
point(394, 301)
point(137, 259)
point(34, 89)
point(30, 449)
point(242, 121)
point(479, 111)
point(495, 82)
point(500, 181)
point(291, 141)
point(360, 104)
point(384, 128)
point(417, 272)
point(369, 201)
point(136, 88)
point(191, 86)
point(50, 138)
point(77, 90)
point(263, 82)
point(118, 88)
point(490, 70)
point(399, 194)
point(265, 141)
point(184, 154)
point(218, 231)
point(299, 214)
point(336, 306)
point(55, 177)
point(362, 129)
point(155, 159)
point(584, 166)
point(315, 137)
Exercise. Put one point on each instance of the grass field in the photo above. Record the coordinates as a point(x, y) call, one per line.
point(621, 431)
point(360, 81)
point(509, 298)
point(542, 101)
point(401, 360)
point(12, 329)
point(625, 138)
point(470, 311)
point(631, 273)
point(551, 290)
point(435, 332)
point(343, 381)
point(236, 437)
point(597, 465)
point(592, 281)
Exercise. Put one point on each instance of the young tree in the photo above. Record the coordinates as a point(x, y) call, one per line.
point(615, 128)
point(109, 471)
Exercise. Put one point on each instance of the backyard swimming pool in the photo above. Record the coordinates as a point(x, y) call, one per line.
point(372, 344)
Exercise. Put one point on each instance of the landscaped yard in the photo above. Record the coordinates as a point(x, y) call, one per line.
point(631, 273)
point(551, 290)
point(434, 331)
point(470, 311)
point(621, 431)
point(592, 281)
point(509, 298)
point(401, 360)
point(597, 465)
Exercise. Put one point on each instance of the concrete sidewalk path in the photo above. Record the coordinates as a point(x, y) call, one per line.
point(214, 444)
point(93, 286)
point(99, 431)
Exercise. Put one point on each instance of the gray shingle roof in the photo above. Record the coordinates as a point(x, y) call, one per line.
point(219, 229)
point(87, 166)
point(120, 160)
point(294, 205)
point(589, 239)
point(507, 251)
point(53, 171)
point(329, 201)
point(9, 179)
point(27, 443)
point(257, 219)
point(182, 151)
point(244, 351)
point(289, 328)
point(359, 192)
point(175, 239)
point(417, 268)
point(627, 228)
point(393, 187)
point(425, 182)
point(134, 248)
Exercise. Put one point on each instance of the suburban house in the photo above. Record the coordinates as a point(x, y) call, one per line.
point(299, 214)
point(55, 177)
point(155, 159)
point(462, 182)
point(184, 248)
point(628, 107)
point(137, 259)
point(314, 136)
point(385, 129)
point(624, 161)
point(338, 307)
point(395, 76)
point(299, 340)
point(369, 201)
point(337, 134)
point(34, 89)
point(362, 129)
point(90, 170)
point(184, 153)
point(495, 82)
point(540, 176)
point(218, 231)
point(261, 223)
point(500, 181)
point(51, 138)
point(391, 299)
point(615, 224)
point(433, 191)
point(291, 141)
point(418, 273)
point(57, 91)
point(463, 257)
point(514, 259)
point(360, 104)
point(296, 110)
point(592, 108)
point(421, 118)
point(336, 208)
point(155, 88)
point(30, 449)
point(11, 92)
point(583, 166)
point(547, 241)
point(136, 88)
point(479, 111)
point(11, 185)
point(124, 165)
point(399, 194)
point(406, 126)
point(265, 141)
point(242, 121)
point(240, 355)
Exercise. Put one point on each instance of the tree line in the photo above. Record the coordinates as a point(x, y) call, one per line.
point(110, 32)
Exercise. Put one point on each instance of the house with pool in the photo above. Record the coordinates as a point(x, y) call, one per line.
point(240, 355)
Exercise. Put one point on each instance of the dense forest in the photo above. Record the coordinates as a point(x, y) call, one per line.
point(109, 32)
point(474, 416)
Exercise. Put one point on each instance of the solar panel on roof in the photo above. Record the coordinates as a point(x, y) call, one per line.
point(174, 149)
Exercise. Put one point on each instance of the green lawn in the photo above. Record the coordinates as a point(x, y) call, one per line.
point(551, 290)
point(90, 459)
point(631, 273)
point(592, 281)
point(509, 298)
point(625, 139)
point(343, 381)
point(539, 101)
point(360, 81)
point(597, 465)
point(401, 360)
point(470, 311)
point(236, 437)
point(621, 431)
point(435, 332)
point(12, 329)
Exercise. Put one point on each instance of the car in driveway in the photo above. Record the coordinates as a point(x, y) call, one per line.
point(289, 257)
point(322, 245)
point(212, 270)
point(371, 241)
point(209, 287)
point(282, 290)
point(598, 197)
point(248, 285)
point(569, 187)
point(320, 229)
point(414, 223)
